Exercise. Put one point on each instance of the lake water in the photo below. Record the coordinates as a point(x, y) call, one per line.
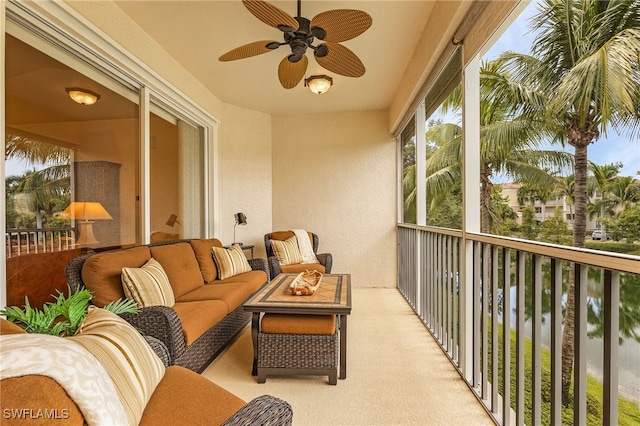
point(628, 352)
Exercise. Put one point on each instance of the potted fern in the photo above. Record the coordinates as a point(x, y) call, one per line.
point(63, 316)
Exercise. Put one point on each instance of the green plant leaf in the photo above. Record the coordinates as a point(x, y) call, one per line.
point(122, 306)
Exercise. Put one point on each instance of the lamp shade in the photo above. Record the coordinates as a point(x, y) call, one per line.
point(85, 210)
point(241, 219)
point(319, 84)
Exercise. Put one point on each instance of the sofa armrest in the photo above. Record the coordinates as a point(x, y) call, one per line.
point(325, 260)
point(160, 349)
point(264, 410)
point(259, 264)
point(274, 266)
point(162, 323)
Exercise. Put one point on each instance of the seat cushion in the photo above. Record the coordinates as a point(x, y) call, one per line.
point(198, 316)
point(233, 294)
point(101, 272)
point(301, 267)
point(187, 398)
point(255, 278)
point(298, 324)
point(202, 249)
point(17, 393)
point(148, 285)
point(180, 264)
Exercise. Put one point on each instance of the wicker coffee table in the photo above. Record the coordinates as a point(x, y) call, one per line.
point(333, 297)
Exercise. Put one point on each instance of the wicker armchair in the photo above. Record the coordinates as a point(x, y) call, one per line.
point(324, 259)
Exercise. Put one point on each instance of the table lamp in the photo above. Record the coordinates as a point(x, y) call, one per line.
point(241, 219)
point(85, 213)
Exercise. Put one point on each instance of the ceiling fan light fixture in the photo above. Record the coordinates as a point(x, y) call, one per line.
point(82, 96)
point(319, 84)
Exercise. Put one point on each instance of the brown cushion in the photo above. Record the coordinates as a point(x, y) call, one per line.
point(233, 294)
point(101, 272)
point(283, 235)
point(186, 398)
point(198, 317)
point(255, 278)
point(298, 324)
point(7, 327)
point(301, 267)
point(202, 249)
point(18, 394)
point(180, 264)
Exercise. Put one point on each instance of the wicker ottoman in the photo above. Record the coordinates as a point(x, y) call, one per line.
point(298, 345)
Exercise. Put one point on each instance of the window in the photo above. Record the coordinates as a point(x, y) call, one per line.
point(408, 149)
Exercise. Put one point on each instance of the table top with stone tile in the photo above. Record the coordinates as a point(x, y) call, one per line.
point(333, 296)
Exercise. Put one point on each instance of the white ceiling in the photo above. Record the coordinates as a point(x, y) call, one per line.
point(196, 33)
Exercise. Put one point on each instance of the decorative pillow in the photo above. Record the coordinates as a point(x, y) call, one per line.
point(287, 251)
point(130, 362)
point(230, 262)
point(148, 285)
point(75, 370)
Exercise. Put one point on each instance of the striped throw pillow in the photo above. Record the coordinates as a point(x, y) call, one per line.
point(287, 251)
point(148, 285)
point(127, 358)
point(230, 262)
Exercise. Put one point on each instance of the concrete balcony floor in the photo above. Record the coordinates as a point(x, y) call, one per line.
point(396, 374)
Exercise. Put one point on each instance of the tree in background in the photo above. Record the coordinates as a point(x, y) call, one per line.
point(584, 66)
point(37, 195)
point(509, 143)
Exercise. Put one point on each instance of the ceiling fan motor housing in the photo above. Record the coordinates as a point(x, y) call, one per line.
point(299, 40)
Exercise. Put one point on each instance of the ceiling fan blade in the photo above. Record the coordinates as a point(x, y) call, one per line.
point(290, 73)
point(271, 15)
point(341, 24)
point(341, 60)
point(248, 50)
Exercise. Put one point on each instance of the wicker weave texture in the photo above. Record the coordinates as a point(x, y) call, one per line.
point(163, 323)
point(265, 410)
point(303, 351)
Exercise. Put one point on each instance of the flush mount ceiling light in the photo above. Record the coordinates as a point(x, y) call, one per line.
point(319, 84)
point(82, 96)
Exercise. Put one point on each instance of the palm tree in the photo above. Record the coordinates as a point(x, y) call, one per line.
point(603, 177)
point(624, 191)
point(566, 190)
point(584, 63)
point(509, 143)
point(43, 190)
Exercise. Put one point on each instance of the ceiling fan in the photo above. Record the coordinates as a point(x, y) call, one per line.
point(330, 27)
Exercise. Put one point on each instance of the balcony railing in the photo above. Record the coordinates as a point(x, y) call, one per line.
point(469, 288)
point(29, 241)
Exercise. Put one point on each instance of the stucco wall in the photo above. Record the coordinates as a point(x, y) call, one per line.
point(245, 175)
point(334, 174)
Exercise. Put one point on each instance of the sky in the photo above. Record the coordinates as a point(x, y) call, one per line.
point(607, 150)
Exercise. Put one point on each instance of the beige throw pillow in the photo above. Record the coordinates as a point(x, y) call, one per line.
point(287, 251)
point(148, 285)
point(230, 262)
point(128, 359)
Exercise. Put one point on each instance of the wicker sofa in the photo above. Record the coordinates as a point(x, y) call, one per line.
point(207, 314)
point(177, 397)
